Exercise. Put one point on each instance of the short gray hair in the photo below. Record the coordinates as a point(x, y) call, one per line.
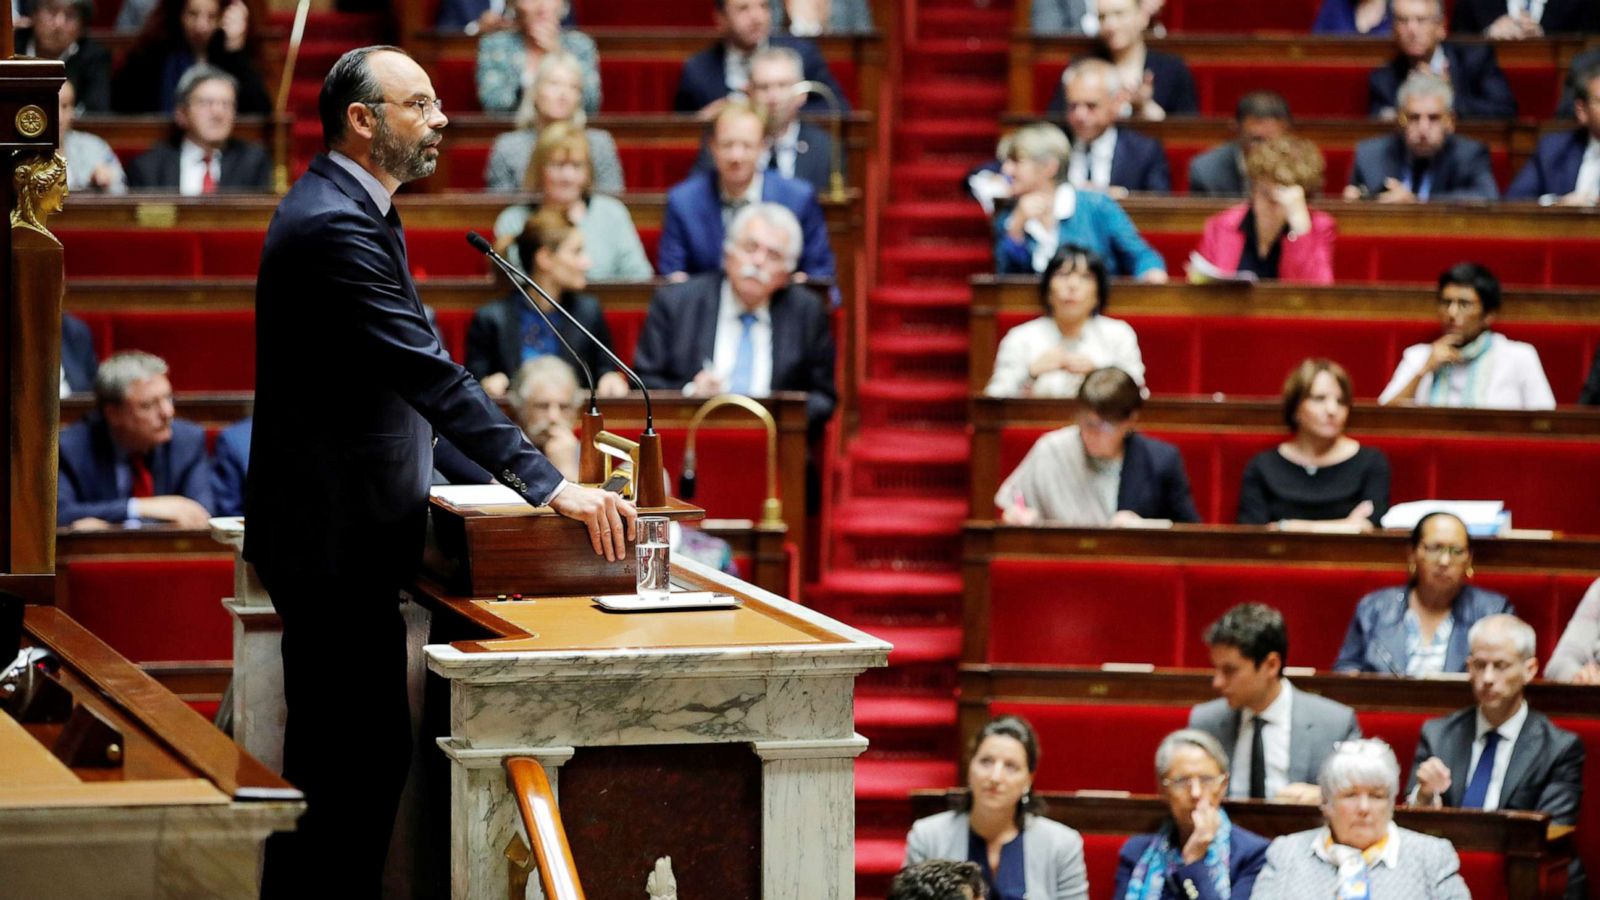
point(1188, 737)
point(1040, 142)
point(1086, 68)
point(120, 370)
point(1367, 762)
point(1425, 84)
point(1520, 633)
point(199, 74)
point(776, 215)
point(774, 53)
point(545, 369)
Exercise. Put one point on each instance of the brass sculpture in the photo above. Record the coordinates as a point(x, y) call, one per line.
point(41, 186)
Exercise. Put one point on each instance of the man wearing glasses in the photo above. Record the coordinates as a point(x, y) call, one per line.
point(1470, 364)
point(1501, 753)
point(352, 387)
point(206, 157)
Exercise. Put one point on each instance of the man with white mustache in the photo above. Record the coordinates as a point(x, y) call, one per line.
point(746, 329)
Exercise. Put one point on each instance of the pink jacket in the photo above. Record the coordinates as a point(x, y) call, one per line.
point(1307, 259)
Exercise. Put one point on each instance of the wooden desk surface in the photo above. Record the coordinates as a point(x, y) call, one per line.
point(579, 623)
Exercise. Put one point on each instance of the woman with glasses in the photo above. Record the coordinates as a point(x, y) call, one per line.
point(999, 823)
point(1360, 852)
point(1420, 627)
point(1198, 852)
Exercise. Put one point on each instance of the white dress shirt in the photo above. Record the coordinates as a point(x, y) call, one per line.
point(192, 164)
point(726, 349)
point(736, 68)
point(1274, 739)
point(1514, 378)
point(1090, 163)
point(1588, 182)
point(1509, 730)
point(1106, 341)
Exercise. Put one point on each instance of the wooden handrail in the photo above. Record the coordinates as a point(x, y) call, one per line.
point(541, 823)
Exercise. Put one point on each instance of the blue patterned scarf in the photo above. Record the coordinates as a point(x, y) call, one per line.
point(1475, 363)
point(1163, 857)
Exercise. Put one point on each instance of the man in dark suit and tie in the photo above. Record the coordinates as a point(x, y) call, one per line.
point(132, 460)
point(352, 385)
point(708, 77)
point(1482, 91)
point(1276, 736)
point(794, 149)
point(700, 207)
point(745, 329)
point(1494, 19)
point(1425, 159)
point(1107, 156)
point(1565, 168)
point(1219, 172)
point(1501, 753)
point(205, 157)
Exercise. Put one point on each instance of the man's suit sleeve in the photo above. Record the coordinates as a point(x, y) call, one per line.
point(192, 472)
point(1380, 90)
point(69, 508)
point(1424, 753)
point(688, 98)
point(652, 358)
point(672, 251)
point(1157, 174)
point(1531, 182)
point(821, 395)
point(1491, 96)
point(227, 476)
point(483, 344)
point(1563, 792)
point(261, 174)
point(1481, 185)
point(1369, 182)
point(144, 172)
point(816, 257)
point(1177, 500)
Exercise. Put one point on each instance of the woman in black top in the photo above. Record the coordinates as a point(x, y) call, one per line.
point(1321, 479)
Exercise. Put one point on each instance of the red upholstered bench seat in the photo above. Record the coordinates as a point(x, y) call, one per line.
point(154, 609)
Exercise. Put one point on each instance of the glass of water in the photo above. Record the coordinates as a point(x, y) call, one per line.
point(653, 558)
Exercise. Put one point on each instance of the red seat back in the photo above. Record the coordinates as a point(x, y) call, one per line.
point(146, 609)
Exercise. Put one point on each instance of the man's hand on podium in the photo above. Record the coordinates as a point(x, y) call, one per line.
point(604, 513)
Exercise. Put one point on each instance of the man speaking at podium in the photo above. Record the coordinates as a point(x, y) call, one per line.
point(351, 388)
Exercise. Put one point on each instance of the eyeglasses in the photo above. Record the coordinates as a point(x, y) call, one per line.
point(1188, 782)
point(422, 105)
point(1444, 551)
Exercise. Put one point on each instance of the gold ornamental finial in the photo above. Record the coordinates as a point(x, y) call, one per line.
point(41, 186)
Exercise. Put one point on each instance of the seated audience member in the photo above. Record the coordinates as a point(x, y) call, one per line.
point(1500, 753)
point(179, 35)
point(1278, 737)
point(1049, 356)
point(1469, 365)
point(546, 395)
point(1496, 20)
point(92, 166)
point(1046, 213)
point(1198, 851)
point(938, 879)
point(1577, 655)
point(1157, 84)
point(1420, 628)
point(710, 76)
point(700, 206)
point(1321, 479)
point(1583, 62)
point(78, 359)
point(1565, 168)
point(131, 460)
point(1424, 159)
point(1275, 235)
point(475, 17)
point(60, 30)
point(561, 165)
point(204, 157)
point(133, 14)
point(1360, 852)
point(792, 148)
point(1064, 17)
point(508, 60)
point(999, 823)
point(1353, 17)
point(1099, 471)
point(1482, 91)
point(556, 93)
point(505, 334)
point(1104, 156)
point(809, 18)
point(230, 461)
point(745, 329)
point(1220, 171)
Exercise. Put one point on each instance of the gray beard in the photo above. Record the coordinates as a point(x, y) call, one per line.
point(403, 163)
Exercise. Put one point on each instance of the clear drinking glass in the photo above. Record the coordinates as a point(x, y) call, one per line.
point(653, 558)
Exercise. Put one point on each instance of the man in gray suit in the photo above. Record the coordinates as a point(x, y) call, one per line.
point(1500, 753)
point(1219, 172)
point(1277, 737)
point(1424, 159)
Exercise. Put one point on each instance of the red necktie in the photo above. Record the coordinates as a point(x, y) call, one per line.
point(208, 185)
point(144, 483)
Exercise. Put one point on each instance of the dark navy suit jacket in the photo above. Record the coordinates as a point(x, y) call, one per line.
point(1173, 85)
point(691, 236)
point(1559, 17)
point(338, 482)
point(1245, 859)
point(245, 167)
point(680, 334)
point(704, 76)
point(1544, 775)
point(230, 460)
point(86, 482)
point(1376, 639)
point(1482, 91)
point(77, 354)
point(1553, 168)
point(1459, 171)
point(1154, 483)
point(813, 157)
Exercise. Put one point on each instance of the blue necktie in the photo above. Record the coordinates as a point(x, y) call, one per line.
point(744, 362)
point(1478, 787)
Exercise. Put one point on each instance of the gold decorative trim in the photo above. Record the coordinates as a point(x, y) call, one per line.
point(31, 121)
point(41, 187)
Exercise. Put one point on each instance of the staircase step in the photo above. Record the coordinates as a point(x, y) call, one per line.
point(922, 222)
point(945, 262)
point(907, 535)
point(895, 779)
point(871, 599)
point(923, 518)
point(946, 140)
point(904, 712)
point(878, 857)
point(961, 22)
point(920, 308)
point(910, 445)
point(915, 355)
point(895, 404)
point(936, 97)
point(928, 180)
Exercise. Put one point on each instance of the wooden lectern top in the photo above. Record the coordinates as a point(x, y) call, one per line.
point(578, 623)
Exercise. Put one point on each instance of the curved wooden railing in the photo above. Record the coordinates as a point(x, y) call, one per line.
point(541, 825)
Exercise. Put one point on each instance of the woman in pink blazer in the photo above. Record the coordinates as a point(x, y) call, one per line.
point(1275, 235)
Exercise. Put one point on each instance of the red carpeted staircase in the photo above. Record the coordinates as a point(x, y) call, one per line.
point(895, 530)
point(328, 35)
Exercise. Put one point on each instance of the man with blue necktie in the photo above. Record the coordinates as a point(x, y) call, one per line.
point(1424, 159)
point(1500, 753)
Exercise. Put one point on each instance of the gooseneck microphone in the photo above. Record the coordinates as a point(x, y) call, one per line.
point(649, 483)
